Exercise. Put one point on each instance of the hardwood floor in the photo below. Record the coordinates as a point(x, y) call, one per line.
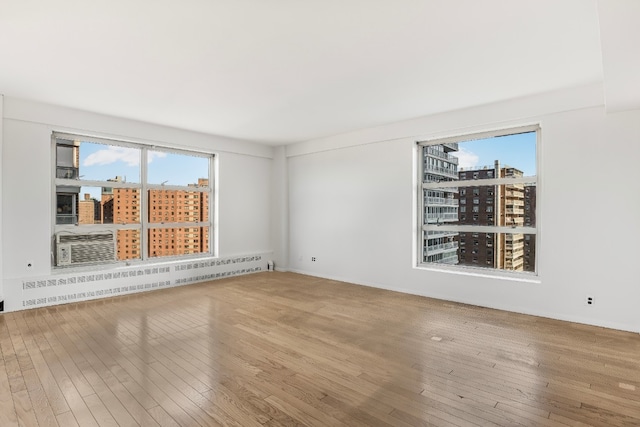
point(281, 349)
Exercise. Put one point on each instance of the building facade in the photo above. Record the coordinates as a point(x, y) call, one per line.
point(499, 205)
point(179, 206)
point(88, 210)
point(440, 205)
point(529, 221)
point(122, 206)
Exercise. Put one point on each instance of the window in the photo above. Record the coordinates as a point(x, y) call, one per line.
point(499, 169)
point(126, 193)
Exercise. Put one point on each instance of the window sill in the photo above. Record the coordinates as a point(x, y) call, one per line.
point(123, 265)
point(524, 277)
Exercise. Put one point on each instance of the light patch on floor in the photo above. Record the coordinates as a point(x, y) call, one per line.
point(627, 386)
point(436, 339)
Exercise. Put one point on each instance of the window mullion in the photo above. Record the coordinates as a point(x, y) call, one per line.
point(211, 205)
point(479, 182)
point(479, 229)
point(144, 211)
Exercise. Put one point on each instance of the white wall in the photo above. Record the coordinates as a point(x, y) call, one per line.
point(352, 207)
point(349, 201)
point(244, 177)
point(280, 209)
point(1, 149)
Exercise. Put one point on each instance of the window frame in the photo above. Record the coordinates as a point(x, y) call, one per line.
point(143, 188)
point(473, 181)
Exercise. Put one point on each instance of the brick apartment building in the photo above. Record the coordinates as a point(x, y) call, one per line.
point(499, 205)
point(122, 206)
point(181, 207)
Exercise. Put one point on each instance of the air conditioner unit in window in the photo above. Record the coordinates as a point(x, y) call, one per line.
point(85, 248)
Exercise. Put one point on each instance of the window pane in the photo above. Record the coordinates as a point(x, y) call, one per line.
point(497, 157)
point(498, 205)
point(178, 241)
point(89, 206)
point(120, 205)
point(97, 205)
point(502, 251)
point(441, 205)
point(66, 207)
point(129, 244)
point(177, 169)
point(178, 206)
point(440, 247)
point(103, 162)
point(439, 163)
point(66, 160)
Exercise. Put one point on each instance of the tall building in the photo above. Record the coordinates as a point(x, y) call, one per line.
point(88, 210)
point(122, 206)
point(529, 221)
point(441, 205)
point(179, 206)
point(500, 205)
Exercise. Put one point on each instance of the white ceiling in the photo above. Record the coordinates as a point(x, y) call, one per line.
point(281, 71)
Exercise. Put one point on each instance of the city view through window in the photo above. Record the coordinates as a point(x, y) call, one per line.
point(125, 202)
point(478, 204)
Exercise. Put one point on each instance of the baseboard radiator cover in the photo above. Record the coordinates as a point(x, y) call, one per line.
point(83, 286)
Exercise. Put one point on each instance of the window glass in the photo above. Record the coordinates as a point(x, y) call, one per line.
point(509, 160)
point(167, 168)
point(66, 160)
point(104, 162)
point(503, 251)
point(66, 208)
point(497, 157)
point(178, 241)
point(178, 206)
point(128, 244)
point(106, 213)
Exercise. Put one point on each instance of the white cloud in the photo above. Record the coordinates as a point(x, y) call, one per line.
point(155, 155)
point(113, 154)
point(130, 156)
point(466, 159)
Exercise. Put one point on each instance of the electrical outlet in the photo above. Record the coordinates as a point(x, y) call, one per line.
point(313, 259)
point(589, 300)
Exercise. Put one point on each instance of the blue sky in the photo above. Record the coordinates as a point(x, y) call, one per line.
point(518, 151)
point(101, 162)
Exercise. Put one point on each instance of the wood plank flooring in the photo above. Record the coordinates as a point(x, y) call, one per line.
point(281, 349)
